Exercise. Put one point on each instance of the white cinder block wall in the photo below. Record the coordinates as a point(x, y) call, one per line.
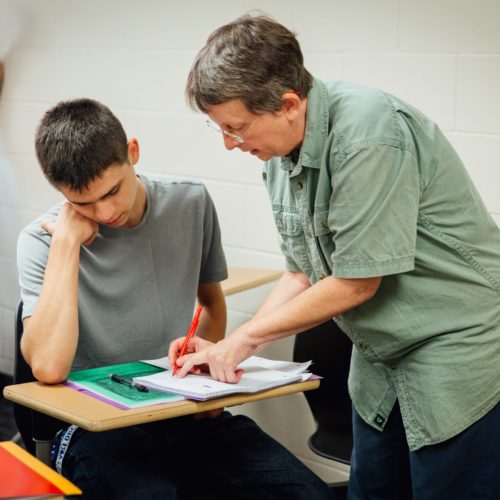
point(443, 57)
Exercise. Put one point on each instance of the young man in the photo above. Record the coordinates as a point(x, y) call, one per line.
point(383, 231)
point(111, 276)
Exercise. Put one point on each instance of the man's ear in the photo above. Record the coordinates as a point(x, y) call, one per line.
point(133, 150)
point(291, 104)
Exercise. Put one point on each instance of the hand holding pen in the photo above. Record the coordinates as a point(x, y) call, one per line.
point(189, 336)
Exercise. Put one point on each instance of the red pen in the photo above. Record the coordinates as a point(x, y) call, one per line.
point(189, 336)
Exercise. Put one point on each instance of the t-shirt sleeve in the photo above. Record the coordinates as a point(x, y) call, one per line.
point(213, 265)
point(373, 212)
point(32, 253)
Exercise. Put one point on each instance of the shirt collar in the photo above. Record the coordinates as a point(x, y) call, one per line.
point(316, 131)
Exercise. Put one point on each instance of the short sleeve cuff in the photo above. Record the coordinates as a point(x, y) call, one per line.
point(214, 276)
point(291, 267)
point(372, 269)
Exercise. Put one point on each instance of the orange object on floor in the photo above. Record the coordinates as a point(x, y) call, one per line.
point(22, 475)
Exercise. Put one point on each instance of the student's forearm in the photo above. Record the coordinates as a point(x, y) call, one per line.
point(213, 319)
point(51, 334)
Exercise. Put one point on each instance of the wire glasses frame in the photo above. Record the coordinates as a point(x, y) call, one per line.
point(216, 127)
point(238, 138)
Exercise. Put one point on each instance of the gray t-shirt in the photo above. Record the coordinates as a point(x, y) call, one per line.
point(137, 286)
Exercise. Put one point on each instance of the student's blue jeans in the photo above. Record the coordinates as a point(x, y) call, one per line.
point(465, 467)
point(224, 458)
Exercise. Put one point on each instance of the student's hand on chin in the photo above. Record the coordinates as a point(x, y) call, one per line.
point(70, 222)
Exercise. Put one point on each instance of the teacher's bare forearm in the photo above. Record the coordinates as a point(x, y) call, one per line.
point(311, 307)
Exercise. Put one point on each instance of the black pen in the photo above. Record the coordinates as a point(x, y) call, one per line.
point(126, 381)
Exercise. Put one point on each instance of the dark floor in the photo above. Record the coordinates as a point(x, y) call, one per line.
point(7, 425)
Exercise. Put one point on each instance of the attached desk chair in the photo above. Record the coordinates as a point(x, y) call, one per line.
point(36, 428)
point(330, 405)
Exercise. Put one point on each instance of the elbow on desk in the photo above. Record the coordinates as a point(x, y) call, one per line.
point(44, 366)
point(49, 373)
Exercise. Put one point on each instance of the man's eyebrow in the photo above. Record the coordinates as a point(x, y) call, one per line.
point(83, 203)
point(234, 126)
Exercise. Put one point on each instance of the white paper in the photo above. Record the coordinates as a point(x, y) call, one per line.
point(258, 374)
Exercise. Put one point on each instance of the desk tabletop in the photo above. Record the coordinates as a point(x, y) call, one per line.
point(241, 279)
point(92, 414)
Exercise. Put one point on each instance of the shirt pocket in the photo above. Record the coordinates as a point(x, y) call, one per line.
point(292, 238)
point(288, 224)
point(321, 223)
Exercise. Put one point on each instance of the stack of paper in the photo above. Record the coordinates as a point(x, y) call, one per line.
point(259, 374)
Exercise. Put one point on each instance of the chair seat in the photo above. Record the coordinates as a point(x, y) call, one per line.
point(332, 445)
point(330, 349)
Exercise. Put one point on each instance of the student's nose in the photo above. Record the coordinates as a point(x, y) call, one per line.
point(103, 211)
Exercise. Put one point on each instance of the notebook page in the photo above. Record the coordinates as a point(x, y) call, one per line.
point(250, 363)
point(205, 387)
point(290, 367)
point(195, 386)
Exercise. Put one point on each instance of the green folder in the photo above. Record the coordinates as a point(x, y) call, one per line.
point(96, 383)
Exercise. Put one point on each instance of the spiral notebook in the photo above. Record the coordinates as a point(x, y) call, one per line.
point(259, 374)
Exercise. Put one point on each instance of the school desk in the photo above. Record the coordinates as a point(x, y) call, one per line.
point(89, 413)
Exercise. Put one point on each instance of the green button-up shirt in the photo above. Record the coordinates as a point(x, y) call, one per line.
point(377, 190)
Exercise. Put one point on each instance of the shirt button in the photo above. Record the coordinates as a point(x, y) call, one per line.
point(363, 346)
point(308, 233)
point(300, 185)
point(322, 276)
point(393, 366)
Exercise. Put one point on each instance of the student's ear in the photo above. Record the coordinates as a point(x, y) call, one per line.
point(133, 150)
point(291, 104)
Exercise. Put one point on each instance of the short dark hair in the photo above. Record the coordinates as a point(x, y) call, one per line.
point(254, 59)
point(77, 140)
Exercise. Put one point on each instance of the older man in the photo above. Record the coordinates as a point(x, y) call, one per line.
point(382, 230)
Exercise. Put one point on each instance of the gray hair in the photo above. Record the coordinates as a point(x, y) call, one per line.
point(254, 59)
